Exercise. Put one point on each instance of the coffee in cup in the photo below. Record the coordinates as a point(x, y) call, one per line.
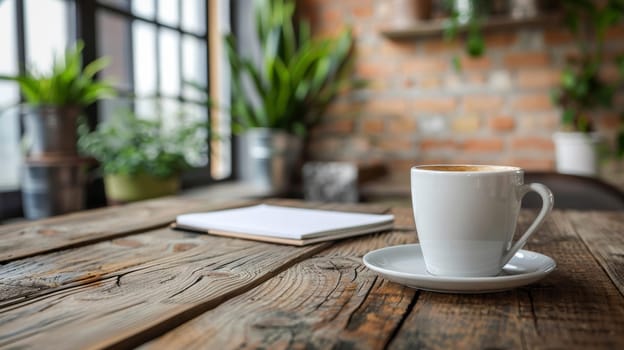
point(466, 216)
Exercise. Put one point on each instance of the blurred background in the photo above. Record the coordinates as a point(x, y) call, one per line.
point(431, 81)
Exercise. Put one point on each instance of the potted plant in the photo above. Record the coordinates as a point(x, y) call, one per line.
point(55, 100)
point(296, 79)
point(583, 88)
point(140, 158)
point(53, 177)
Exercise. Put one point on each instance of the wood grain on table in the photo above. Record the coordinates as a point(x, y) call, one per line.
point(118, 277)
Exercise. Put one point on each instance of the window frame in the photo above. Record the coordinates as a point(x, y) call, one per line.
point(82, 18)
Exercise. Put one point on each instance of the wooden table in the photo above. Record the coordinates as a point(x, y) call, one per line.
point(119, 277)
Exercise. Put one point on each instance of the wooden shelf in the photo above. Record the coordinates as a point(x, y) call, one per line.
point(436, 27)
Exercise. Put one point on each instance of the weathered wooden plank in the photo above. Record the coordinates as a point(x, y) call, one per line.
point(128, 308)
point(328, 301)
point(603, 233)
point(577, 306)
point(120, 292)
point(35, 276)
point(74, 230)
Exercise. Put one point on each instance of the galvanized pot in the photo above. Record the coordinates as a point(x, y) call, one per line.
point(53, 186)
point(267, 157)
point(51, 131)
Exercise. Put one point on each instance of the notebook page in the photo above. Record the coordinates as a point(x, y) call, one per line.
point(276, 221)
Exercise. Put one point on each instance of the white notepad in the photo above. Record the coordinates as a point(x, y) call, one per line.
point(287, 225)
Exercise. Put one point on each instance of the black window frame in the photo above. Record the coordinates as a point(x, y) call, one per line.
point(82, 18)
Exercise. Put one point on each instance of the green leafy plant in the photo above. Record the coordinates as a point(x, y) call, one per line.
point(129, 145)
point(67, 84)
point(297, 78)
point(471, 20)
point(582, 88)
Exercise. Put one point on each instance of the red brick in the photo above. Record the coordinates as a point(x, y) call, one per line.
point(429, 82)
point(472, 63)
point(369, 70)
point(329, 16)
point(541, 121)
point(615, 33)
point(482, 145)
point(610, 73)
point(502, 123)
point(362, 11)
point(401, 124)
point(364, 52)
point(526, 59)
point(538, 78)
point(437, 144)
point(335, 126)
point(343, 108)
point(499, 39)
point(557, 36)
point(391, 47)
point(532, 143)
point(608, 122)
point(482, 103)
point(466, 124)
point(444, 104)
point(436, 46)
point(324, 148)
point(533, 102)
point(418, 65)
point(373, 126)
point(359, 144)
point(475, 79)
point(395, 144)
point(386, 106)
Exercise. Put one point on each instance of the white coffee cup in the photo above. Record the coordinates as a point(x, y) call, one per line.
point(466, 216)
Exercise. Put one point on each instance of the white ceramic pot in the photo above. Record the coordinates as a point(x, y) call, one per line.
point(576, 153)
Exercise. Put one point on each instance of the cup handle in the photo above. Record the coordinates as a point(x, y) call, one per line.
point(547, 204)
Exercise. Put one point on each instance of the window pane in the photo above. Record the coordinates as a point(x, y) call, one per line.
point(169, 63)
point(170, 112)
point(168, 12)
point(107, 108)
point(144, 52)
point(194, 66)
point(144, 8)
point(194, 112)
point(194, 16)
point(9, 122)
point(46, 31)
point(113, 42)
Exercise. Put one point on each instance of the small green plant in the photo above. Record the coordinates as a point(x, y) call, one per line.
point(582, 88)
point(129, 145)
point(67, 84)
point(297, 78)
point(471, 19)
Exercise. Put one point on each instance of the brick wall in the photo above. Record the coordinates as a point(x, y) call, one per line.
point(419, 109)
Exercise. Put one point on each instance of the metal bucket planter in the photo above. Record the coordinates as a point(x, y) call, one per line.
point(266, 158)
point(51, 131)
point(53, 186)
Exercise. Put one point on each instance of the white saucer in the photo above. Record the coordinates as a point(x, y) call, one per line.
point(405, 264)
